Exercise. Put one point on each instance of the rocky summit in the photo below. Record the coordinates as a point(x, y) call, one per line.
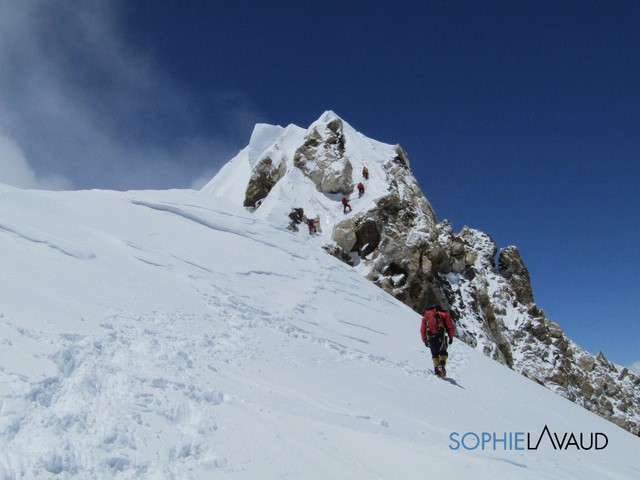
point(391, 236)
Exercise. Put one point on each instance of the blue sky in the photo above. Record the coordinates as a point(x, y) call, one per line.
point(521, 118)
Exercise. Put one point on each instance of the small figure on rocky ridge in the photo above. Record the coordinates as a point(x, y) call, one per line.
point(345, 205)
point(311, 223)
point(296, 215)
point(360, 190)
point(365, 172)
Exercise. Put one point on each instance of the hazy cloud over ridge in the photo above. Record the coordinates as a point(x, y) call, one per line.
point(79, 108)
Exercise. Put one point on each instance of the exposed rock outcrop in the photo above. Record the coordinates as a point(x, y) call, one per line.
point(264, 176)
point(513, 269)
point(322, 159)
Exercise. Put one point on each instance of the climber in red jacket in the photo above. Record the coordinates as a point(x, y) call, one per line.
point(345, 205)
point(437, 327)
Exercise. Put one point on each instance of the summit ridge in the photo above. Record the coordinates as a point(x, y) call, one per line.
point(393, 238)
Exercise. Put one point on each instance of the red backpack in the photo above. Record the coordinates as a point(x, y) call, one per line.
point(435, 322)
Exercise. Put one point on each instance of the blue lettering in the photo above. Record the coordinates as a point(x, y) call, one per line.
point(502, 440)
point(491, 441)
point(486, 438)
point(470, 434)
point(456, 444)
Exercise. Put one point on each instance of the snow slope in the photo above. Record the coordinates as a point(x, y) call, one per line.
point(170, 334)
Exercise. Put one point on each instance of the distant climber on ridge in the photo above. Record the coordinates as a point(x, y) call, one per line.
point(360, 190)
point(436, 327)
point(365, 172)
point(311, 223)
point(345, 205)
point(296, 215)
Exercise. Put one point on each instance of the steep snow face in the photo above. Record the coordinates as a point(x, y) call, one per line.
point(174, 335)
point(391, 237)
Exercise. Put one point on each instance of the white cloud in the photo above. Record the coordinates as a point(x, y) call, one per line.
point(635, 366)
point(14, 169)
point(86, 106)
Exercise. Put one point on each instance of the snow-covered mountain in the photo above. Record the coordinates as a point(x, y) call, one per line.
point(392, 237)
point(173, 335)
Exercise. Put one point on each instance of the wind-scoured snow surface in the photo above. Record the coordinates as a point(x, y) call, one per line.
point(169, 335)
